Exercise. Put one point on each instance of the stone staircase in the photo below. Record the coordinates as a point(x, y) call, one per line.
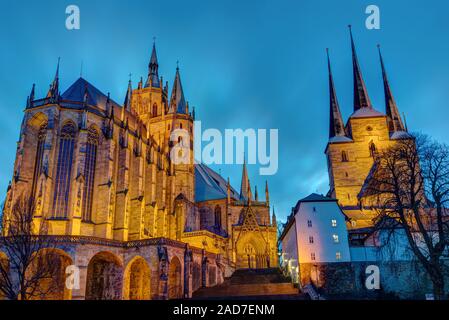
point(252, 284)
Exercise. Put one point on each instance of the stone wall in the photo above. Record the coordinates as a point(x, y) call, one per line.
point(405, 280)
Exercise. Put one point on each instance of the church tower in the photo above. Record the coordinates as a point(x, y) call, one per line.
point(351, 150)
point(171, 127)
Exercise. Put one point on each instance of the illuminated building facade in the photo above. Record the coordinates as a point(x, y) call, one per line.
point(138, 224)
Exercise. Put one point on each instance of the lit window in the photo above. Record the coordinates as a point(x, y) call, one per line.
point(338, 256)
point(353, 223)
point(334, 223)
point(310, 239)
point(335, 237)
point(89, 173)
point(64, 171)
point(312, 256)
point(309, 223)
point(38, 166)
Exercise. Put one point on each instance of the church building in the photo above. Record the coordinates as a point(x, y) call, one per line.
point(137, 224)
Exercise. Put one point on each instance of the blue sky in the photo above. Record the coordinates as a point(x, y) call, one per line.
point(244, 64)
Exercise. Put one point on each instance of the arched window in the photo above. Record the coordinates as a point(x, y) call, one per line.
point(344, 156)
point(64, 171)
point(154, 110)
point(39, 156)
point(372, 149)
point(218, 217)
point(89, 173)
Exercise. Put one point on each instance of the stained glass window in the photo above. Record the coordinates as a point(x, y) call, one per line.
point(64, 171)
point(39, 156)
point(89, 173)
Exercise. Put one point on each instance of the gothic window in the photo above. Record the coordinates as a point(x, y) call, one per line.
point(344, 156)
point(218, 217)
point(312, 256)
point(89, 173)
point(310, 239)
point(39, 156)
point(154, 110)
point(309, 223)
point(372, 149)
point(64, 171)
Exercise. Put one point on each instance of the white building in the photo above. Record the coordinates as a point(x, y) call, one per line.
point(315, 233)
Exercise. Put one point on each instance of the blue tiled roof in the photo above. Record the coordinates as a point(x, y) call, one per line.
point(95, 97)
point(209, 185)
point(316, 197)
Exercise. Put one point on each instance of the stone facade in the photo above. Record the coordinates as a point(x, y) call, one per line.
point(124, 175)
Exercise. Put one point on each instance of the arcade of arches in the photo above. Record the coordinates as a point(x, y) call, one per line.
point(113, 273)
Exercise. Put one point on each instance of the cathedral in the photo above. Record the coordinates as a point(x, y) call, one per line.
point(137, 224)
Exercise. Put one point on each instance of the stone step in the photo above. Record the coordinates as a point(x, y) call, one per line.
point(243, 290)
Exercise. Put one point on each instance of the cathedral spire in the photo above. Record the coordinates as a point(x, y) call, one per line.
point(244, 187)
point(53, 92)
point(273, 219)
point(267, 193)
point(361, 98)
point(336, 126)
point(394, 118)
point(153, 70)
point(128, 98)
point(177, 100)
point(31, 97)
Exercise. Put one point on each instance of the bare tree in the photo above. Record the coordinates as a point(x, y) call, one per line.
point(402, 179)
point(29, 265)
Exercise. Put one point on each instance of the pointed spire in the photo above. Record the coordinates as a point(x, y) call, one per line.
point(336, 126)
point(228, 191)
point(245, 182)
point(31, 97)
point(53, 92)
point(108, 105)
point(267, 194)
point(361, 98)
point(128, 98)
point(153, 69)
point(394, 118)
point(405, 122)
point(273, 219)
point(177, 100)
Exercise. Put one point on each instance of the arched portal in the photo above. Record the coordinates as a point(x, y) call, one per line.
point(174, 279)
point(137, 280)
point(252, 252)
point(104, 277)
point(49, 267)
